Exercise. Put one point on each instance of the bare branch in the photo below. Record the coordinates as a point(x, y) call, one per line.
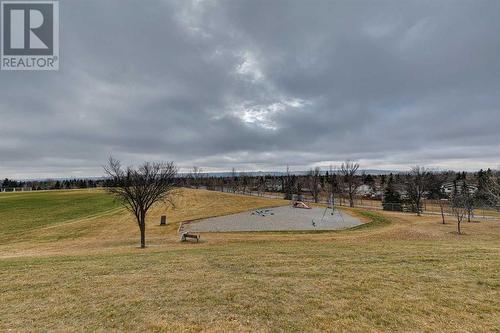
point(139, 189)
point(348, 171)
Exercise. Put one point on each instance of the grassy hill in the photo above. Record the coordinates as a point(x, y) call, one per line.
point(20, 212)
point(398, 273)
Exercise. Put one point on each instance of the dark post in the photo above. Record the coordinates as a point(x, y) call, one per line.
point(163, 220)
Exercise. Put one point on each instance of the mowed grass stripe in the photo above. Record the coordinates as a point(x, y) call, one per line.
point(20, 212)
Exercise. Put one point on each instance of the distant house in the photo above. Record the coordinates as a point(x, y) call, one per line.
point(365, 190)
point(450, 187)
point(273, 185)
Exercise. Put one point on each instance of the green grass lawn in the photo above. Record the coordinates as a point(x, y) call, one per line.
point(20, 212)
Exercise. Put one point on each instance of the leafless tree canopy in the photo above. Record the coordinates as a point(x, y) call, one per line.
point(288, 184)
point(197, 176)
point(313, 179)
point(139, 189)
point(233, 185)
point(348, 171)
point(416, 183)
point(493, 191)
point(459, 208)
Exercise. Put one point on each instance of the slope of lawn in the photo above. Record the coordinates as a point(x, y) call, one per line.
point(20, 212)
point(93, 221)
point(397, 273)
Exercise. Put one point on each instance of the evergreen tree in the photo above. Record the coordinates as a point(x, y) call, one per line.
point(382, 180)
point(482, 194)
point(392, 198)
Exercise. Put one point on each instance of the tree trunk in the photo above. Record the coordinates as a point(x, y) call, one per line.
point(351, 200)
point(143, 236)
point(142, 227)
point(458, 225)
point(442, 214)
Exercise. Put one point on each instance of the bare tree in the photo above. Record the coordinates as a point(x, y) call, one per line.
point(341, 185)
point(243, 181)
point(261, 186)
point(416, 183)
point(233, 182)
point(459, 209)
point(437, 181)
point(313, 179)
point(289, 184)
point(493, 191)
point(197, 175)
point(442, 205)
point(298, 189)
point(348, 171)
point(469, 199)
point(332, 185)
point(139, 189)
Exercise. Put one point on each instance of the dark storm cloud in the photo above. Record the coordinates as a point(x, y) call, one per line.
point(259, 85)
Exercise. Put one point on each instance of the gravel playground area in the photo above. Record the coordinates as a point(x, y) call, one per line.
point(276, 219)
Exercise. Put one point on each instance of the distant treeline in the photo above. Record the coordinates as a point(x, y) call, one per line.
point(37, 185)
point(395, 189)
point(399, 191)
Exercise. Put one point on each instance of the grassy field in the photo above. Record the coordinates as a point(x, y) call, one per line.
point(20, 212)
point(395, 273)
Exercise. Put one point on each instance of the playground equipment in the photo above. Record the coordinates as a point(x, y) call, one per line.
point(300, 204)
point(331, 206)
point(263, 212)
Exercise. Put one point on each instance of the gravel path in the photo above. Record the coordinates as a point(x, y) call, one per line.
point(276, 219)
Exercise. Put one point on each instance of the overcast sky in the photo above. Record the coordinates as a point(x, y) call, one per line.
point(257, 85)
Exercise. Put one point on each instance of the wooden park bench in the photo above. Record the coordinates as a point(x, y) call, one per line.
point(186, 235)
